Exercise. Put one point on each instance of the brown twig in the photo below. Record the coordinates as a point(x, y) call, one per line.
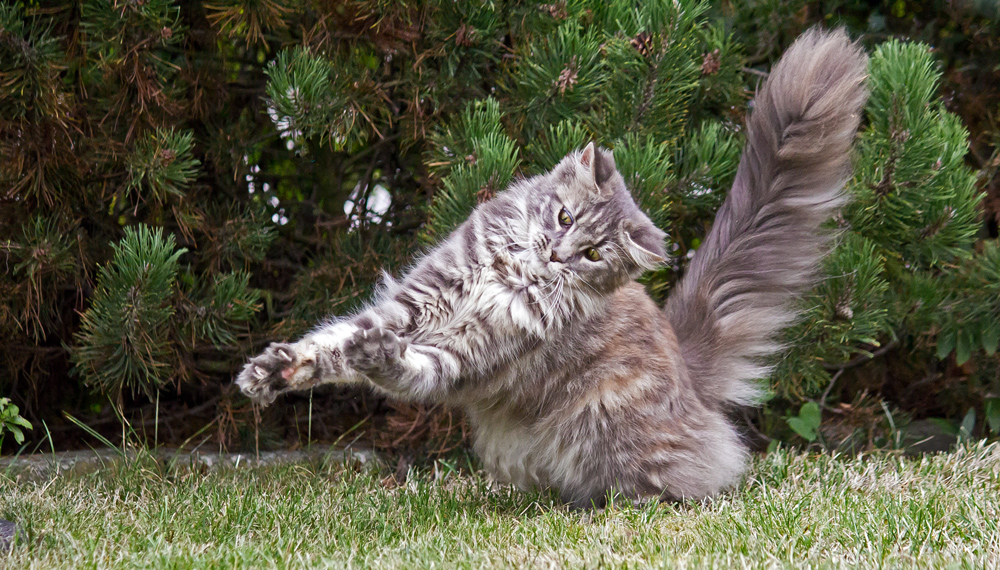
point(826, 393)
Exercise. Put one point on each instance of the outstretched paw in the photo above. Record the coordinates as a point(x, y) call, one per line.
point(374, 352)
point(273, 372)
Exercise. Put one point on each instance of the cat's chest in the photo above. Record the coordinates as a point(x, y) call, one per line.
point(514, 303)
point(482, 308)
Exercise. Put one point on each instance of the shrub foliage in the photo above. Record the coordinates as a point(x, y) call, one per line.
point(185, 181)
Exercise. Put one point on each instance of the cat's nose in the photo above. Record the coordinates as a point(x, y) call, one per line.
point(554, 257)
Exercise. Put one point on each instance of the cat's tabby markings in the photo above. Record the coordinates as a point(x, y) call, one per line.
point(528, 318)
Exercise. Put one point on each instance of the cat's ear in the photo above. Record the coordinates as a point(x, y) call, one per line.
point(587, 157)
point(598, 163)
point(645, 246)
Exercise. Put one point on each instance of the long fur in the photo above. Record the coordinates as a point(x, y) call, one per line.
point(766, 243)
point(529, 319)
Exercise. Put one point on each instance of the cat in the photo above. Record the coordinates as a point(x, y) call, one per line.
point(528, 318)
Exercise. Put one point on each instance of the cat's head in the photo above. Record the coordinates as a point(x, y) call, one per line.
point(585, 229)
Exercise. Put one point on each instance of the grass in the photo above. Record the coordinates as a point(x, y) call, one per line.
point(794, 510)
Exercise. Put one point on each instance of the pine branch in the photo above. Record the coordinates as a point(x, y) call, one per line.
point(124, 337)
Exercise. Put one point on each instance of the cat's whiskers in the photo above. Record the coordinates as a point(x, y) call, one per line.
point(543, 293)
point(548, 293)
point(618, 256)
point(512, 237)
point(511, 241)
point(556, 302)
point(584, 281)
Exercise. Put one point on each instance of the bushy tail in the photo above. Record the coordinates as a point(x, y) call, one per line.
point(766, 244)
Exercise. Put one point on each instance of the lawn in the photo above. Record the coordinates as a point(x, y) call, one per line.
point(794, 510)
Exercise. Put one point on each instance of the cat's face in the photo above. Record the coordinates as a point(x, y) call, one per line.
point(584, 229)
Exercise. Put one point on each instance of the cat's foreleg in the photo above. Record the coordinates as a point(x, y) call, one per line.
point(401, 368)
point(284, 367)
point(344, 352)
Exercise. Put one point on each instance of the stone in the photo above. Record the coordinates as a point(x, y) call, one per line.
point(10, 534)
point(42, 466)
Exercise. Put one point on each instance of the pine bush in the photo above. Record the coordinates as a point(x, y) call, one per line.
point(185, 181)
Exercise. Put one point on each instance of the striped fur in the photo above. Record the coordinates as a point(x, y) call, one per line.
point(571, 375)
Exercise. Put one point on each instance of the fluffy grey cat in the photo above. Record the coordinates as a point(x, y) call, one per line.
point(527, 316)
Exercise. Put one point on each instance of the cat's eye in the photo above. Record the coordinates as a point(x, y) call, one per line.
point(565, 218)
point(592, 254)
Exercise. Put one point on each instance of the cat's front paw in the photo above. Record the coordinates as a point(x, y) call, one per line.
point(374, 352)
point(278, 369)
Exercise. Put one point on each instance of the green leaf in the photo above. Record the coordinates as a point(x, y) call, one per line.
point(18, 434)
point(968, 423)
point(946, 343)
point(810, 412)
point(947, 426)
point(963, 348)
point(18, 420)
point(800, 427)
point(991, 338)
point(11, 420)
point(807, 423)
point(992, 411)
